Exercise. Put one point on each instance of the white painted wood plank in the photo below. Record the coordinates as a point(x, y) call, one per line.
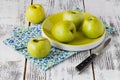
point(11, 15)
point(12, 12)
point(65, 70)
point(103, 7)
point(107, 65)
point(11, 70)
point(34, 73)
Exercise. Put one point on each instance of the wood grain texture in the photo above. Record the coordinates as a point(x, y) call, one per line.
point(11, 15)
point(11, 70)
point(53, 6)
point(65, 70)
point(34, 73)
point(107, 65)
point(12, 12)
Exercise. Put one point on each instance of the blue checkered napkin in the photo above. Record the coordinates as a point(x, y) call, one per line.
point(22, 36)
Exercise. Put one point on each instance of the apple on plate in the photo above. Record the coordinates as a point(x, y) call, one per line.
point(92, 27)
point(39, 47)
point(75, 16)
point(64, 31)
point(35, 13)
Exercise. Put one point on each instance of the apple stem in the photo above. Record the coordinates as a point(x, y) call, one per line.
point(90, 18)
point(71, 30)
point(34, 7)
point(73, 12)
point(35, 40)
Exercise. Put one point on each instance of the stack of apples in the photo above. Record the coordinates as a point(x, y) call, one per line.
point(64, 31)
point(74, 21)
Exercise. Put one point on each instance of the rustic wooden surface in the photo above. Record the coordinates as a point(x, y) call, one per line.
point(15, 67)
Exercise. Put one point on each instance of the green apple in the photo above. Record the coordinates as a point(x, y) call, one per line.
point(92, 27)
point(64, 31)
point(35, 13)
point(75, 16)
point(38, 47)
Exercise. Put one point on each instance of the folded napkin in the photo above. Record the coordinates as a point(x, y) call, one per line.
point(22, 35)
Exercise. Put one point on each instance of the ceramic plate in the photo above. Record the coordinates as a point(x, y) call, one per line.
point(80, 43)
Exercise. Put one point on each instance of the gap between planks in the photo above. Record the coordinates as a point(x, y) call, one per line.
point(25, 65)
point(24, 76)
point(93, 72)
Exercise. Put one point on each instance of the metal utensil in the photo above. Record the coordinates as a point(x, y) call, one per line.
point(80, 67)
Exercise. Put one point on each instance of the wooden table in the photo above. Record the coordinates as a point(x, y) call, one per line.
point(14, 66)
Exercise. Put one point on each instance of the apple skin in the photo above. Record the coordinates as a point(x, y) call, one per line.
point(92, 27)
point(75, 16)
point(35, 13)
point(39, 47)
point(64, 31)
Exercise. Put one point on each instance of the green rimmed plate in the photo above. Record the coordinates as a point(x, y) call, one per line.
point(80, 43)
